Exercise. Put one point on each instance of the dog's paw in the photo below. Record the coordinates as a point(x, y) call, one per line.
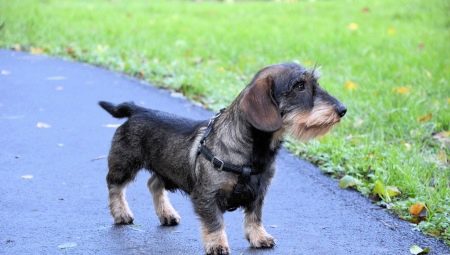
point(123, 219)
point(263, 242)
point(218, 250)
point(170, 220)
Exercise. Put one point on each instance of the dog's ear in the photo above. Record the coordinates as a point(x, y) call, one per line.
point(259, 106)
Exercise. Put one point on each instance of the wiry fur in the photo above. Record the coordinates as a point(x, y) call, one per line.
point(281, 99)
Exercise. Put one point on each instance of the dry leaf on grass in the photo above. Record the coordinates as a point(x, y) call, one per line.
point(418, 209)
point(443, 137)
point(391, 31)
point(353, 26)
point(402, 90)
point(348, 182)
point(36, 50)
point(425, 118)
point(350, 85)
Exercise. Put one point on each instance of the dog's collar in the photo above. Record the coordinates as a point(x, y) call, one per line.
point(217, 163)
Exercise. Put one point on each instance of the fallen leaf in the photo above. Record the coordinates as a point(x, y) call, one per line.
point(402, 90)
point(443, 137)
point(27, 177)
point(102, 48)
point(71, 52)
point(391, 31)
point(352, 26)
point(56, 78)
point(425, 118)
point(358, 122)
point(365, 9)
point(307, 62)
point(416, 209)
point(407, 146)
point(67, 245)
point(112, 125)
point(16, 47)
point(5, 72)
point(348, 181)
point(416, 250)
point(99, 157)
point(36, 50)
point(42, 125)
point(350, 85)
point(378, 188)
point(393, 191)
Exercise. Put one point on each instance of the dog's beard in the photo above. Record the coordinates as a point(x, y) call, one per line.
point(306, 125)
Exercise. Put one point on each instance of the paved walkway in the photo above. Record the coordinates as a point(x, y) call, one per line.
point(54, 139)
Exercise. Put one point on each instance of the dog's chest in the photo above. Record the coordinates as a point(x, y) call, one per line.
point(242, 194)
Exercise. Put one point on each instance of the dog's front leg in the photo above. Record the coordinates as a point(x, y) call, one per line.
point(213, 228)
point(254, 229)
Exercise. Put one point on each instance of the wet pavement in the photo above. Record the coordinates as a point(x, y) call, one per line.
point(54, 140)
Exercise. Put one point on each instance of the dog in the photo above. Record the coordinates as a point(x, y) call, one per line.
point(224, 163)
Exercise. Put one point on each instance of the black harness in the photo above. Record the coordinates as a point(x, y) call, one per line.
point(217, 163)
point(246, 182)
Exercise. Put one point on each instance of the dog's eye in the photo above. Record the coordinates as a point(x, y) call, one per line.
point(300, 85)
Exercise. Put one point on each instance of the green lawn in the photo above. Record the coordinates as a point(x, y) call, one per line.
point(388, 61)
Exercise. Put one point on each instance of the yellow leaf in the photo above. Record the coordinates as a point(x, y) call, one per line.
point(308, 62)
point(349, 85)
point(36, 50)
point(353, 26)
point(348, 181)
point(448, 100)
point(393, 191)
point(416, 209)
point(391, 31)
point(380, 190)
point(425, 118)
point(442, 156)
point(402, 90)
point(407, 146)
point(16, 47)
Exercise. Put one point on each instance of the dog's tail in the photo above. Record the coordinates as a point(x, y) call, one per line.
point(123, 110)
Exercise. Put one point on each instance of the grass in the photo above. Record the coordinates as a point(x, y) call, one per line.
point(387, 60)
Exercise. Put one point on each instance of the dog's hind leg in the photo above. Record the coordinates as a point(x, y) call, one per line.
point(167, 215)
point(120, 174)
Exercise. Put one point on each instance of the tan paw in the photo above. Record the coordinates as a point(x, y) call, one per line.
point(123, 218)
point(218, 250)
point(170, 220)
point(263, 242)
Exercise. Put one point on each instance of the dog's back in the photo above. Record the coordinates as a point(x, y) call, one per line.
point(147, 137)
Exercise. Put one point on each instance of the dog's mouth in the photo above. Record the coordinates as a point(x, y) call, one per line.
point(308, 125)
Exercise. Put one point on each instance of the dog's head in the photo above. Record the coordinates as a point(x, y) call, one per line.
point(288, 97)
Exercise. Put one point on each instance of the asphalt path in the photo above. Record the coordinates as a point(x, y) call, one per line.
point(53, 196)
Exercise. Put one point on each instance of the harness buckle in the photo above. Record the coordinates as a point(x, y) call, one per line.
point(220, 162)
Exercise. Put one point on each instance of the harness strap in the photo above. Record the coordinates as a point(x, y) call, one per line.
point(217, 163)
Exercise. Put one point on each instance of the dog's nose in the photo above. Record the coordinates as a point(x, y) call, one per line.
point(341, 110)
